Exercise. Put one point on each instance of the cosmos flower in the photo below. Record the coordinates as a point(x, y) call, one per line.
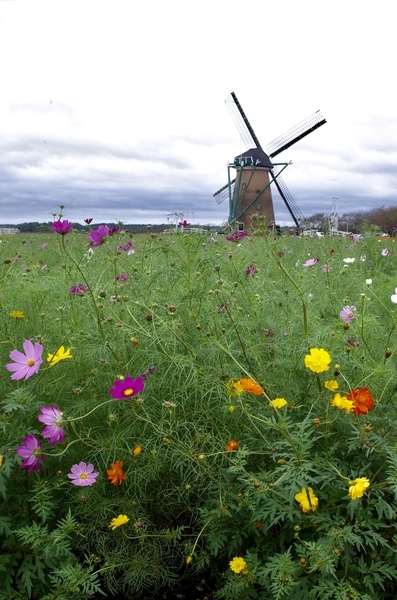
point(62, 227)
point(125, 247)
point(88, 221)
point(30, 450)
point(385, 252)
point(184, 223)
point(138, 449)
point(17, 314)
point(347, 313)
point(127, 388)
point(43, 246)
point(236, 236)
point(115, 473)
point(98, 236)
point(113, 230)
point(27, 364)
point(349, 260)
point(368, 282)
point(311, 262)
point(318, 360)
point(60, 354)
point(362, 400)
point(78, 290)
point(121, 277)
point(278, 402)
point(117, 521)
point(250, 386)
point(358, 487)
point(231, 446)
point(307, 500)
point(52, 417)
point(342, 403)
point(363, 258)
point(251, 270)
point(238, 564)
point(82, 474)
point(331, 385)
point(234, 387)
point(393, 298)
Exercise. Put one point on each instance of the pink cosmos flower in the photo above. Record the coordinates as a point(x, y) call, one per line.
point(62, 227)
point(82, 474)
point(122, 277)
point(311, 262)
point(27, 364)
point(98, 236)
point(385, 252)
point(127, 388)
point(78, 290)
point(31, 452)
point(114, 230)
point(347, 313)
point(44, 246)
point(88, 221)
point(236, 236)
point(184, 223)
point(125, 246)
point(52, 417)
point(251, 270)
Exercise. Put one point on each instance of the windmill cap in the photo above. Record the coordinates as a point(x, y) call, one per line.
point(257, 155)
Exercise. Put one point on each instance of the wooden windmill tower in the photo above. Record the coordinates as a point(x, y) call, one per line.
point(249, 192)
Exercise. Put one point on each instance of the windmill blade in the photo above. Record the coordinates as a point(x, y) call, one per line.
point(286, 195)
point(244, 128)
point(223, 192)
point(295, 134)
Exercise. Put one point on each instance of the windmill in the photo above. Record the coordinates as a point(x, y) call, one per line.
point(249, 192)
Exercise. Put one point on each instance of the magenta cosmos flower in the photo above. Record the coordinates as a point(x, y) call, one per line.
point(98, 236)
point(347, 313)
point(127, 388)
point(83, 474)
point(27, 364)
point(78, 290)
point(31, 452)
point(122, 277)
point(184, 223)
point(52, 417)
point(88, 221)
point(251, 270)
point(62, 227)
point(125, 247)
point(236, 236)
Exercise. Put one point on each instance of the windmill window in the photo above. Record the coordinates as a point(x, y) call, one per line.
point(259, 207)
point(244, 186)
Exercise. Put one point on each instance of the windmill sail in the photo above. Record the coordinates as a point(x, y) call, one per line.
point(295, 134)
point(286, 195)
point(239, 117)
point(223, 192)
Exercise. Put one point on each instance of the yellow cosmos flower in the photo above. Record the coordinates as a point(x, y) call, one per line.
point(117, 521)
point(234, 387)
point(278, 402)
point(137, 450)
point(331, 385)
point(238, 564)
point(318, 360)
point(60, 354)
point(342, 403)
point(17, 314)
point(307, 499)
point(358, 487)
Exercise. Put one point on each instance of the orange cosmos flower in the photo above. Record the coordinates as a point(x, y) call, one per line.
point(232, 445)
point(249, 385)
point(137, 450)
point(115, 473)
point(362, 400)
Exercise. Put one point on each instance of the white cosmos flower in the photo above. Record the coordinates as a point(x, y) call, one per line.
point(368, 281)
point(349, 260)
point(393, 298)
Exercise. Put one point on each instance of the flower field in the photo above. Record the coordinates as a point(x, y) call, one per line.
point(187, 416)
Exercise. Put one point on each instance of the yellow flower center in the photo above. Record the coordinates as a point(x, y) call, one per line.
point(30, 363)
point(128, 392)
point(83, 476)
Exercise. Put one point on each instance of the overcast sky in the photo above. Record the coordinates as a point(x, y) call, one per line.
point(115, 108)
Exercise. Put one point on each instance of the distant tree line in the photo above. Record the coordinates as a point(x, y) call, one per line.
point(383, 219)
point(35, 227)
